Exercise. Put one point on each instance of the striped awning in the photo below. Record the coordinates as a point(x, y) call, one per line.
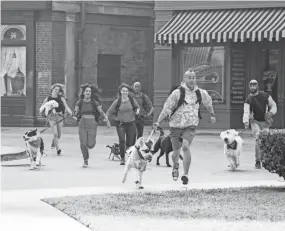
point(222, 25)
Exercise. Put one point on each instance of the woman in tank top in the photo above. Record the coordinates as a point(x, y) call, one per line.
point(88, 110)
point(57, 94)
point(123, 111)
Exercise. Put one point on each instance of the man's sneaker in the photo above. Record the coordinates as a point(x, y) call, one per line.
point(58, 151)
point(175, 172)
point(258, 165)
point(184, 179)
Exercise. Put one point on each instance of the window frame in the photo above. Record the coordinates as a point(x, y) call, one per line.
point(219, 105)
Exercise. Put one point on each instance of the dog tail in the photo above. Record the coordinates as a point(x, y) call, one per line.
point(108, 146)
point(157, 146)
point(42, 146)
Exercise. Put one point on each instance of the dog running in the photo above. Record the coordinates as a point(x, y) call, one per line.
point(164, 145)
point(138, 157)
point(115, 151)
point(232, 147)
point(34, 148)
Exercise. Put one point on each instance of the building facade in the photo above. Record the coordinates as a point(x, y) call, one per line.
point(70, 42)
point(227, 44)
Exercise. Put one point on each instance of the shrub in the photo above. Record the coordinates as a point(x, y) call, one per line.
point(272, 148)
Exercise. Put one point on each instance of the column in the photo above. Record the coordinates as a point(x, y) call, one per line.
point(162, 66)
point(70, 84)
point(30, 104)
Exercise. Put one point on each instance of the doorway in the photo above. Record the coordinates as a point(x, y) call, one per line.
point(268, 72)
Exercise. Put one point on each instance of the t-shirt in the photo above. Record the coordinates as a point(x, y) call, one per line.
point(258, 104)
point(144, 103)
point(125, 113)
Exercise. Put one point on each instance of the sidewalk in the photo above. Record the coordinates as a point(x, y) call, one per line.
point(23, 210)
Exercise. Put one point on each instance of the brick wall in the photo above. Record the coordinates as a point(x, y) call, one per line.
point(58, 47)
point(43, 61)
point(130, 41)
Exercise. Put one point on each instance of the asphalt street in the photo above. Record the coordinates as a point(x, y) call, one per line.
point(208, 163)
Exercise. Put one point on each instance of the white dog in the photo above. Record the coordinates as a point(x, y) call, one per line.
point(34, 148)
point(232, 147)
point(49, 107)
point(138, 156)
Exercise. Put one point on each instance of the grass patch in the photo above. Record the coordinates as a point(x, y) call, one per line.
point(236, 204)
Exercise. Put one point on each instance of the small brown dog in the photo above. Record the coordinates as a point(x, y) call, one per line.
point(115, 151)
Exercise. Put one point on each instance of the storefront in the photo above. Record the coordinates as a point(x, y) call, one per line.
point(72, 43)
point(18, 62)
point(227, 46)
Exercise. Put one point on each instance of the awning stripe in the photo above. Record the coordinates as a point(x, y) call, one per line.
point(222, 25)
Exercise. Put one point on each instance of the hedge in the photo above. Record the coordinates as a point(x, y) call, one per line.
point(272, 148)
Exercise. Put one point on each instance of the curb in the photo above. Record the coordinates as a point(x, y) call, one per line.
point(15, 155)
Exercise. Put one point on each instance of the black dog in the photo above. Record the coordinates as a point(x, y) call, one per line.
point(164, 144)
point(115, 151)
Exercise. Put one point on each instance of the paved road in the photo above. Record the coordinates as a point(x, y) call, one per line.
point(208, 164)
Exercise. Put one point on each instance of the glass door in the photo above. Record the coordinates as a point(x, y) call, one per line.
point(270, 72)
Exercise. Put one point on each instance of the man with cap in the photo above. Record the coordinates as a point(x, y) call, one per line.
point(146, 108)
point(259, 108)
point(184, 121)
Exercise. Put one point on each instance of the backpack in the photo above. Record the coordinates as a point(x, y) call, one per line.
point(117, 108)
point(95, 110)
point(182, 101)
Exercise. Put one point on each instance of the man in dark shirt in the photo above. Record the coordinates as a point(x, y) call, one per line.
point(146, 108)
point(259, 108)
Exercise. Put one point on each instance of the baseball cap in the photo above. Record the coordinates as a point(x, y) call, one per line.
point(253, 81)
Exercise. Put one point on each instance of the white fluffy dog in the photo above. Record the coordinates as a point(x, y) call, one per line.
point(232, 147)
point(138, 156)
point(49, 107)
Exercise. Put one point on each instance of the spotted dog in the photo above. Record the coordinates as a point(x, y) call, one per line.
point(34, 148)
point(232, 147)
point(138, 157)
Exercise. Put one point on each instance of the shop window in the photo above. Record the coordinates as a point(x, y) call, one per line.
point(109, 74)
point(13, 71)
point(13, 60)
point(208, 64)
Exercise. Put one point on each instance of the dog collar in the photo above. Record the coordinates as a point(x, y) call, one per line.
point(139, 152)
point(233, 145)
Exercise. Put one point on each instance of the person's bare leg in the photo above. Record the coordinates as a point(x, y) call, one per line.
point(186, 157)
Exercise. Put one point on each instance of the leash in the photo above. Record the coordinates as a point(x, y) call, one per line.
point(64, 118)
point(240, 133)
point(151, 134)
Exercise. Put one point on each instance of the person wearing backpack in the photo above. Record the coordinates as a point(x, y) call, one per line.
point(88, 110)
point(146, 108)
point(57, 94)
point(182, 110)
point(259, 108)
point(123, 111)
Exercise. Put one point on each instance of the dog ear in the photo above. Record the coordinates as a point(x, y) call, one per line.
point(140, 141)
